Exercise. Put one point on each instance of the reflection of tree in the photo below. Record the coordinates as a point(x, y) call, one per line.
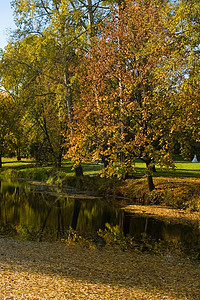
point(61, 228)
point(179, 235)
point(184, 235)
point(94, 214)
point(76, 211)
point(40, 216)
point(44, 224)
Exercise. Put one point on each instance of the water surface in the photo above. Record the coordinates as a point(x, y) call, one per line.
point(37, 213)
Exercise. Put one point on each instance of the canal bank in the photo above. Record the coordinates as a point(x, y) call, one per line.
point(44, 213)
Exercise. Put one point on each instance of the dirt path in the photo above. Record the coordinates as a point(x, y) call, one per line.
point(31, 270)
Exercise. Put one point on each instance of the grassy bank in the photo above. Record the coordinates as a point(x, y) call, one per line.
point(178, 188)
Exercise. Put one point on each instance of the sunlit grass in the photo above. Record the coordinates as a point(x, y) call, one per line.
point(182, 169)
point(28, 166)
point(13, 162)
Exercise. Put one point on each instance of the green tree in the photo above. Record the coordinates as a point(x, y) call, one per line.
point(6, 135)
point(51, 34)
point(71, 25)
point(37, 95)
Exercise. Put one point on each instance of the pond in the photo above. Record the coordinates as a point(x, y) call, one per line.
point(39, 213)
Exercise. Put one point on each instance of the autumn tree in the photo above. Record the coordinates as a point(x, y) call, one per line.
point(131, 100)
point(51, 32)
point(71, 25)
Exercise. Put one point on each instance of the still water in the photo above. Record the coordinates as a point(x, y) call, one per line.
point(37, 213)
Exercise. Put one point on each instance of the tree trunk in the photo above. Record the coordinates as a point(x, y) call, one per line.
point(0, 161)
point(68, 98)
point(151, 185)
point(59, 160)
point(105, 160)
point(18, 155)
point(90, 18)
point(79, 171)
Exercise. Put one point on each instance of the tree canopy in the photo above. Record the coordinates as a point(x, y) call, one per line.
point(111, 80)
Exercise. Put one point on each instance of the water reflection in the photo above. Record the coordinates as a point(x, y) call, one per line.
point(186, 236)
point(36, 215)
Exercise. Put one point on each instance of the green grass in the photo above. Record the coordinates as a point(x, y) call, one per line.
point(182, 169)
point(29, 169)
point(13, 162)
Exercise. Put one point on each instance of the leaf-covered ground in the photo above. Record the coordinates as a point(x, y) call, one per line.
point(31, 270)
point(166, 213)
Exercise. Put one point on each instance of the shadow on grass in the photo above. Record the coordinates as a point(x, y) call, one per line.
point(93, 169)
point(178, 173)
point(181, 173)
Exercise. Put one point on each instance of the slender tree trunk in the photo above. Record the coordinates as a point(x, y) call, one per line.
point(45, 130)
point(105, 160)
point(0, 160)
point(60, 153)
point(18, 155)
point(68, 98)
point(151, 185)
point(59, 162)
point(120, 66)
point(90, 18)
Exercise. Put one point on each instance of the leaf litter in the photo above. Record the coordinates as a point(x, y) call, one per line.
point(32, 270)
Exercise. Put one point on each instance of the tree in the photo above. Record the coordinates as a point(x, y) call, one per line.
point(51, 33)
point(31, 73)
point(131, 96)
point(6, 135)
point(72, 25)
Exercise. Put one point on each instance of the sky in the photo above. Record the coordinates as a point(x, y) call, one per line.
point(6, 21)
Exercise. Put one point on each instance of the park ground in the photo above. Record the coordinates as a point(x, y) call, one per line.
point(30, 270)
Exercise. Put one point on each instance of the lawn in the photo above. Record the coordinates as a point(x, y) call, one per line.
point(182, 168)
point(13, 162)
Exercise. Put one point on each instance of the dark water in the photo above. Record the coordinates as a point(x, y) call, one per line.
point(36, 214)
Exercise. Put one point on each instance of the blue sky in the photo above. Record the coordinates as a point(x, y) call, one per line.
point(6, 21)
